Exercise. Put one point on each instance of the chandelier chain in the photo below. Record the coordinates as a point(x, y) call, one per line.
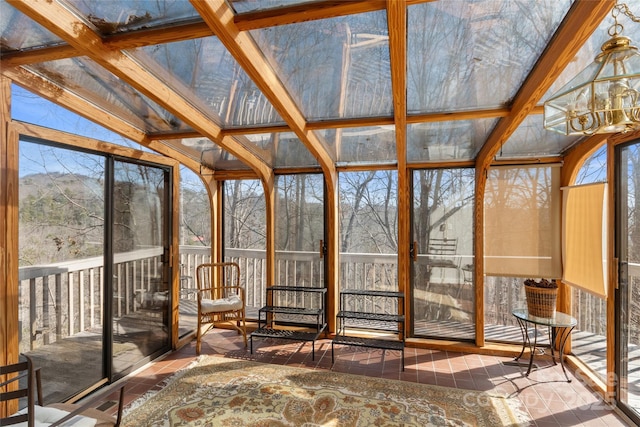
point(623, 8)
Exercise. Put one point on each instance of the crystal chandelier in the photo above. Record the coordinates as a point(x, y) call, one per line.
point(604, 97)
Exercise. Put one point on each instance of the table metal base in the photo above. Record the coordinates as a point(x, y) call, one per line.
point(559, 336)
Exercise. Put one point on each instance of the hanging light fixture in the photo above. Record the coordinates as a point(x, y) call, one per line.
point(604, 97)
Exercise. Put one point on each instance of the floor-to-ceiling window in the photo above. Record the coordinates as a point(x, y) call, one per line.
point(628, 293)
point(442, 251)
point(299, 230)
point(589, 339)
point(195, 244)
point(369, 231)
point(244, 235)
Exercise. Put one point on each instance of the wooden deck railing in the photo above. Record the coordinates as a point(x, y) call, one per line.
point(63, 299)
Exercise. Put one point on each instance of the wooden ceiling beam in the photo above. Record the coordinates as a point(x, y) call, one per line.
point(321, 9)
point(353, 123)
point(60, 21)
point(581, 21)
point(220, 18)
point(304, 12)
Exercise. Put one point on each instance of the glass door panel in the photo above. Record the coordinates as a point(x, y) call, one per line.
point(140, 272)
point(628, 294)
point(61, 236)
point(442, 285)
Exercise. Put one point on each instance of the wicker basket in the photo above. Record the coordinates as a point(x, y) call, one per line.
point(541, 302)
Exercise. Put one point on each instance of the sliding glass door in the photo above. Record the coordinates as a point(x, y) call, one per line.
point(94, 278)
point(628, 293)
point(140, 276)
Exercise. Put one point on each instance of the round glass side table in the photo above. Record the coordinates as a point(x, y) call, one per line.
point(559, 327)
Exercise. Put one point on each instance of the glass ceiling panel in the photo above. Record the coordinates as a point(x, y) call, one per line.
point(204, 72)
point(19, 32)
point(119, 16)
point(475, 54)
point(286, 148)
point(446, 141)
point(244, 6)
point(369, 145)
point(96, 85)
point(334, 68)
point(531, 139)
point(213, 156)
point(592, 47)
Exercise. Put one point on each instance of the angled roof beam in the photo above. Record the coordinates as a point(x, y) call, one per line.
point(219, 16)
point(581, 21)
point(60, 21)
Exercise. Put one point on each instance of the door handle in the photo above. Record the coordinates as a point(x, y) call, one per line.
point(414, 250)
point(323, 249)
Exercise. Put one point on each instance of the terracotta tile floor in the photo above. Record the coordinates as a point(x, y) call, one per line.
point(547, 397)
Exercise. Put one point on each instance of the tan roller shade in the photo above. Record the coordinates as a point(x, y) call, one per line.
point(584, 237)
point(522, 222)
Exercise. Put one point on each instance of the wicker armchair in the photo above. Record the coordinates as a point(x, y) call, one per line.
point(220, 299)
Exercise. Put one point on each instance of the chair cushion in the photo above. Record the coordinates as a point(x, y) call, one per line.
point(46, 416)
point(220, 305)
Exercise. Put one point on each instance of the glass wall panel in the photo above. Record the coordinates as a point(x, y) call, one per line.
point(443, 286)
point(589, 339)
point(140, 269)
point(245, 238)
point(299, 213)
point(471, 54)
point(369, 235)
point(334, 68)
point(195, 243)
point(628, 294)
point(61, 240)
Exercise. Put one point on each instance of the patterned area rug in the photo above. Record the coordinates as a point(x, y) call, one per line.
point(224, 392)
